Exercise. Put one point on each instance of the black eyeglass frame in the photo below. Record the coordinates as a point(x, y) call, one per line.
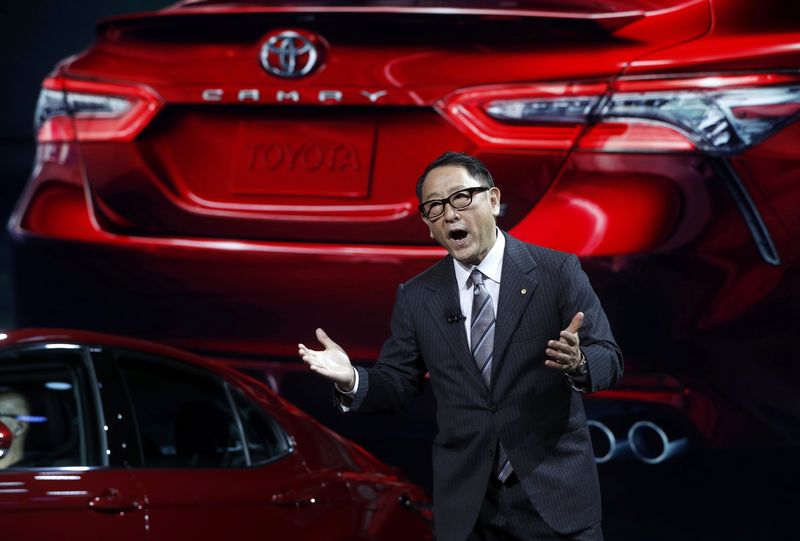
point(449, 200)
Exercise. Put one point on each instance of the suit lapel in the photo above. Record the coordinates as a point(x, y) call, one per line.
point(517, 287)
point(444, 301)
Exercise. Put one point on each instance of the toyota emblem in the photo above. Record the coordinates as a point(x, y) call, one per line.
point(289, 54)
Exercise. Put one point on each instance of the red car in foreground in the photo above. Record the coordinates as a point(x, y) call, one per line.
point(226, 176)
point(103, 438)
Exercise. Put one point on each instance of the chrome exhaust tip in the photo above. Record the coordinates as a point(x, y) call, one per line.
point(604, 443)
point(651, 444)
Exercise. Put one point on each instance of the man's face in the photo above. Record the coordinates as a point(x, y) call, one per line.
point(12, 405)
point(467, 234)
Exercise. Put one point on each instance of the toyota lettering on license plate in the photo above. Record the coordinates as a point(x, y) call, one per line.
point(328, 159)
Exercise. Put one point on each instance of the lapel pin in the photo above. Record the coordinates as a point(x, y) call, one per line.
point(523, 291)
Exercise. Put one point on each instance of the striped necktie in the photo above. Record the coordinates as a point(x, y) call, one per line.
point(482, 345)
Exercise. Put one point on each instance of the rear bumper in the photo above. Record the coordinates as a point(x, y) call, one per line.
point(237, 297)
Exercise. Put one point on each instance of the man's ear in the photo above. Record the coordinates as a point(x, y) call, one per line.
point(494, 200)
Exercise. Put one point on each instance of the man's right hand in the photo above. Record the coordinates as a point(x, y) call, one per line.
point(332, 362)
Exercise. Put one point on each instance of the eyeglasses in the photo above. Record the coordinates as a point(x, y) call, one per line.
point(458, 200)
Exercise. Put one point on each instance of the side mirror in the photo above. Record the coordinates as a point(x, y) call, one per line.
point(6, 439)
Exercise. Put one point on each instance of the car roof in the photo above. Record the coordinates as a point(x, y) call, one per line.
point(41, 336)
point(37, 336)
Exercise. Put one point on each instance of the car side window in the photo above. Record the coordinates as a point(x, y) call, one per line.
point(266, 441)
point(47, 412)
point(183, 414)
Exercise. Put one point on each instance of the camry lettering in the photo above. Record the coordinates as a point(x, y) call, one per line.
point(294, 96)
point(308, 157)
point(251, 94)
point(213, 94)
point(373, 96)
point(332, 95)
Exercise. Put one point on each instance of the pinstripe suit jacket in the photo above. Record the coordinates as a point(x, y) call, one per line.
point(531, 408)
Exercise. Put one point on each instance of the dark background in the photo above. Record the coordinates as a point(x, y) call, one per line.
point(733, 494)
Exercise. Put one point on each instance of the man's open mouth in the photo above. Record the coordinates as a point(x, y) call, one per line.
point(458, 235)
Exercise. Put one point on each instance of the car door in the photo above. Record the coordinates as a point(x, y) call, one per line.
point(58, 478)
point(204, 478)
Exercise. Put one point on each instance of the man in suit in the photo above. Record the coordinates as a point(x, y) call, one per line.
point(511, 334)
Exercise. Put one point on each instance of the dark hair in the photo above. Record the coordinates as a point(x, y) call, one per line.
point(473, 166)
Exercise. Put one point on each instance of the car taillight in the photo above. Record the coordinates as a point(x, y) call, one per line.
point(71, 109)
point(720, 114)
point(724, 121)
point(575, 109)
point(548, 116)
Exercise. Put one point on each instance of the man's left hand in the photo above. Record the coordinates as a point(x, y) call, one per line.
point(565, 354)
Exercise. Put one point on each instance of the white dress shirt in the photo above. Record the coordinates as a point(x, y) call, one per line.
point(492, 268)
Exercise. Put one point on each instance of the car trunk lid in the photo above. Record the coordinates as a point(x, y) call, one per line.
point(239, 152)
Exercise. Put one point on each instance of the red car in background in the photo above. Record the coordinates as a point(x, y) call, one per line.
point(226, 176)
point(104, 437)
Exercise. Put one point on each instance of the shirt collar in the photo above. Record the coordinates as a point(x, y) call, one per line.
point(491, 266)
